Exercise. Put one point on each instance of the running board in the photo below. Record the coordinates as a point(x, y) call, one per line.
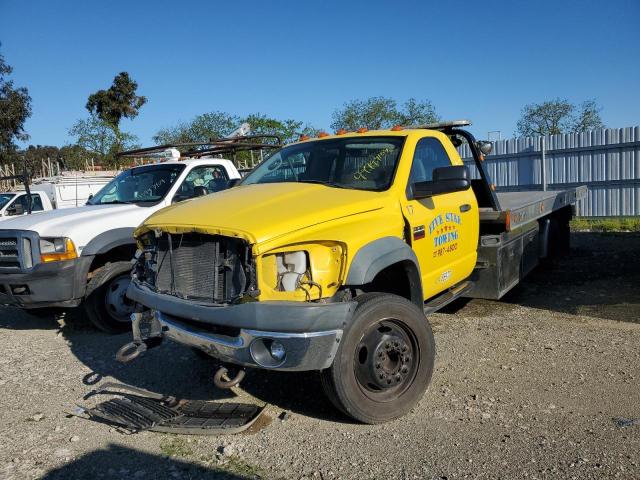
point(138, 410)
point(447, 297)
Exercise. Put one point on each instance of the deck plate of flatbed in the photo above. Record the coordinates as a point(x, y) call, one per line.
point(520, 208)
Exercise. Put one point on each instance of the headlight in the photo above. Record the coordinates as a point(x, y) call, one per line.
point(291, 268)
point(56, 249)
point(304, 271)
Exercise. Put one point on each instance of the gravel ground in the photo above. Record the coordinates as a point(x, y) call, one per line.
point(544, 384)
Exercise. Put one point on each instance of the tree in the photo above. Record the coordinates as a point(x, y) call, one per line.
point(101, 133)
point(201, 129)
point(101, 139)
point(381, 112)
point(15, 108)
point(558, 116)
point(588, 117)
point(220, 124)
point(118, 101)
point(288, 130)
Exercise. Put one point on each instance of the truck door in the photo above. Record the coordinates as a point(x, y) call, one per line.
point(443, 229)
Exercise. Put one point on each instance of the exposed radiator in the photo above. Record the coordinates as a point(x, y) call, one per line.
point(194, 266)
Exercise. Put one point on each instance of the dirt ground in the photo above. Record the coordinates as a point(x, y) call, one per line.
point(543, 384)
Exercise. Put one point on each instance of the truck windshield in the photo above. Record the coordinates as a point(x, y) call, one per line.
point(365, 163)
point(5, 198)
point(146, 184)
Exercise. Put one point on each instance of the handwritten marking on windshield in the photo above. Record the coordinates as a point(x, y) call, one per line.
point(365, 170)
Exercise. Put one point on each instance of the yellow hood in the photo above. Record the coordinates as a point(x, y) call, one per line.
point(262, 212)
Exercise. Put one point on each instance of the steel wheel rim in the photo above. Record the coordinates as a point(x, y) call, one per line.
point(116, 302)
point(386, 360)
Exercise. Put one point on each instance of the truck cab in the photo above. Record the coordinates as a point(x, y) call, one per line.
point(16, 203)
point(73, 256)
point(330, 255)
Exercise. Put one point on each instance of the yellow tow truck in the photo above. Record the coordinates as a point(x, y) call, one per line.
point(330, 255)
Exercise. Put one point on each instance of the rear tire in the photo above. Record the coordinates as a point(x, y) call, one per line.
point(106, 303)
point(384, 362)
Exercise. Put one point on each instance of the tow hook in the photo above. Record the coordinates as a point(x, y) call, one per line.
point(222, 381)
point(130, 351)
point(147, 333)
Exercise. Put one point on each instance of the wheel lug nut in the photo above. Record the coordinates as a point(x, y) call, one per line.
point(404, 348)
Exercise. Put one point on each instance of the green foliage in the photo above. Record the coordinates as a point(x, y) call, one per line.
point(588, 117)
point(175, 446)
point(201, 129)
point(15, 108)
point(220, 124)
point(288, 130)
point(101, 139)
point(381, 112)
point(606, 224)
point(119, 100)
point(558, 116)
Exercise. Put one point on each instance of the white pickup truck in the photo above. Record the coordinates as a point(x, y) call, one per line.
point(16, 203)
point(74, 256)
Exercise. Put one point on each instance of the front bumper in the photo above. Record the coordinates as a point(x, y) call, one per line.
point(242, 334)
point(55, 284)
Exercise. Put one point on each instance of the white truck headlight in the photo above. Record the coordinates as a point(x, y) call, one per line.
point(56, 249)
point(291, 268)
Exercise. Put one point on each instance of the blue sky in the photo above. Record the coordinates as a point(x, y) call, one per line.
point(478, 60)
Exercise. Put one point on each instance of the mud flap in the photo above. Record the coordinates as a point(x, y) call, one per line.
point(137, 410)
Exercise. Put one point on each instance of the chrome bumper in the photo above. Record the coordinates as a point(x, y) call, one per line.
point(302, 351)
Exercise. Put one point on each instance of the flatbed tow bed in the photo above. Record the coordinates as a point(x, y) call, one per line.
point(520, 208)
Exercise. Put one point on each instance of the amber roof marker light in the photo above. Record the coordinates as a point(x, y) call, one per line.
point(322, 134)
point(303, 137)
point(362, 130)
point(342, 131)
point(396, 128)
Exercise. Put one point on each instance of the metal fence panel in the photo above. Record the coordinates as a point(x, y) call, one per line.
point(607, 160)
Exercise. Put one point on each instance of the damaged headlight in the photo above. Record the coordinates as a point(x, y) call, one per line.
point(306, 271)
point(292, 266)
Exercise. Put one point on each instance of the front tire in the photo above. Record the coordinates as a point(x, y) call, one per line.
point(384, 362)
point(106, 303)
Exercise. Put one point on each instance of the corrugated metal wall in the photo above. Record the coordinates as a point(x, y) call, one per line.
point(606, 160)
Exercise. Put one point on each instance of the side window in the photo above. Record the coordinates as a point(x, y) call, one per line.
point(429, 154)
point(36, 203)
point(211, 178)
point(20, 206)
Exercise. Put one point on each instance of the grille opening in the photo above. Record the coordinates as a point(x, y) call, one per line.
point(210, 268)
point(9, 255)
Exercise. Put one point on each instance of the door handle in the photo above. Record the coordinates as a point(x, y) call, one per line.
point(465, 207)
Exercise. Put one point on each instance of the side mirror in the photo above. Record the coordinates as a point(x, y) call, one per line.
point(484, 146)
point(200, 191)
point(16, 209)
point(445, 180)
point(233, 182)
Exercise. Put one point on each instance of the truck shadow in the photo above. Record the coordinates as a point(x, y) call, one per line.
point(173, 369)
point(118, 462)
point(598, 279)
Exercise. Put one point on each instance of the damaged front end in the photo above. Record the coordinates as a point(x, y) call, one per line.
point(201, 292)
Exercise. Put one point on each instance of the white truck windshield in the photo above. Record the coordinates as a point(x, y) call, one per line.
point(148, 184)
